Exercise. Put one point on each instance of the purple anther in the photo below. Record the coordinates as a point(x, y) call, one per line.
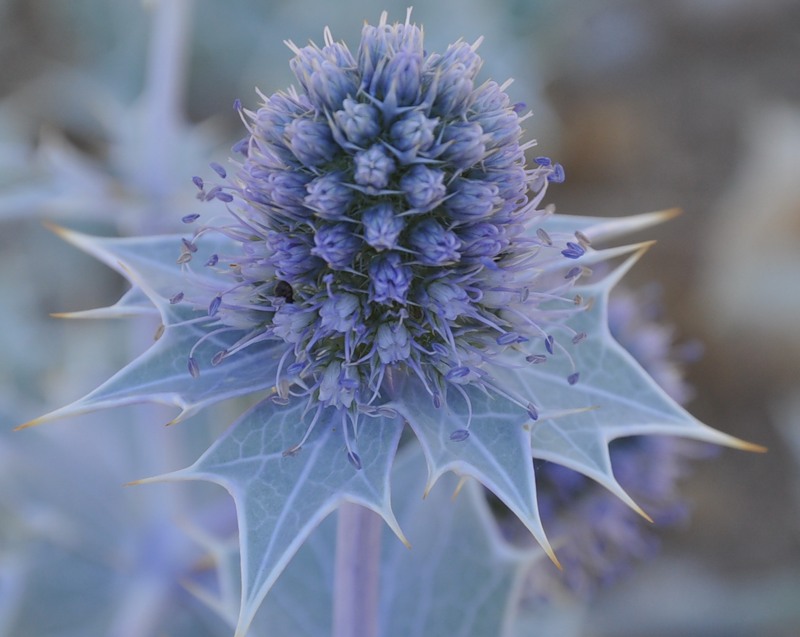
point(544, 237)
point(217, 168)
point(440, 349)
point(241, 147)
point(508, 338)
point(295, 368)
point(573, 378)
point(573, 250)
point(219, 357)
point(457, 372)
point(459, 435)
point(352, 456)
point(557, 176)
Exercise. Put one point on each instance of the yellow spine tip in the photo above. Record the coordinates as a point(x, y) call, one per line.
point(641, 512)
point(53, 227)
point(743, 445)
point(552, 555)
point(462, 481)
point(670, 213)
point(30, 423)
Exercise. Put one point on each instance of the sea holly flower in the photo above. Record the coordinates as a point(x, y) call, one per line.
point(600, 536)
point(477, 323)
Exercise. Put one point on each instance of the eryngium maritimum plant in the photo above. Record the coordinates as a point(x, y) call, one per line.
point(386, 262)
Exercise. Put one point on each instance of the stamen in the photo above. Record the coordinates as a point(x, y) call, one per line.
point(293, 450)
point(573, 378)
point(218, 357)
point(352, 454)
point(456, 373)
point(354, 459)
point(218, 169)
point(544, 237)
point(508, 338)
point(213, 307)
point(573, 250)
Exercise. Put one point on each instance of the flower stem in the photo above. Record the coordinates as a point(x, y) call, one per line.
point(357, 572)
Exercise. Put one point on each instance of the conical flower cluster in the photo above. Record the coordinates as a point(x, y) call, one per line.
point(387, 221)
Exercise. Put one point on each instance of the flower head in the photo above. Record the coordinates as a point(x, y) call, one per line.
point(601, 535)
point(390, 192)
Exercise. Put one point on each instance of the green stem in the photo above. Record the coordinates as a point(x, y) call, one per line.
point(357, 572)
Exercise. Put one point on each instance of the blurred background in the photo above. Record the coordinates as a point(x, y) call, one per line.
point(107, 109)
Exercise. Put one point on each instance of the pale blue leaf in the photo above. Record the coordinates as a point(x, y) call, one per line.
point(133, 303)
point(281, 497)
point(161, 374)
point(604, 228)
point(300, 603)
point(613, 397)
point(154, 260)
point(460, 577)
point(497, 451)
